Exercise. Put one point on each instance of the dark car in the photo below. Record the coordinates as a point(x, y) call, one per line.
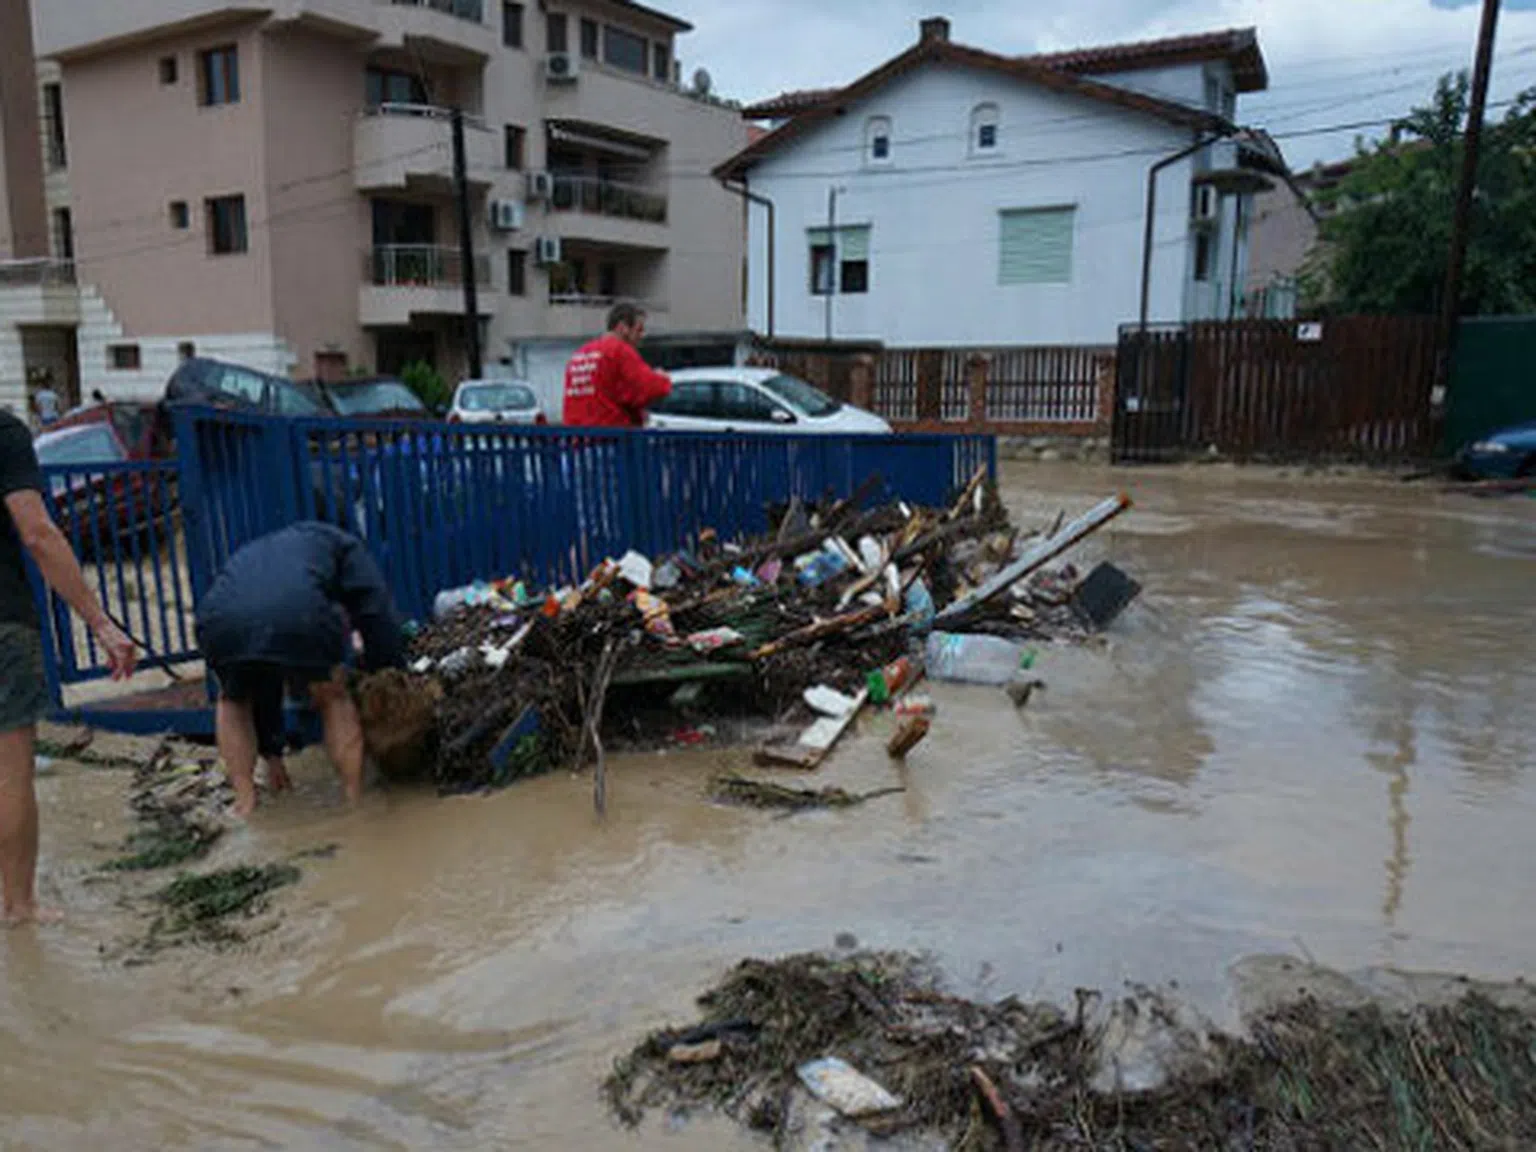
point(201, 381)
point(1506, 454)
point(95, 506)
point(369, 397)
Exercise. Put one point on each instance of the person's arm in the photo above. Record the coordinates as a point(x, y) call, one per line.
point(636, 384)
point(364, 593)
point(54, 558)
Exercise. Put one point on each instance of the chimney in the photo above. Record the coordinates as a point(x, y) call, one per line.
point(934, 28)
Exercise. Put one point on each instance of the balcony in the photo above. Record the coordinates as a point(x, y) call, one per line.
point(393, 144)
point(39, 273)
point(402, 281)
point(585, 208)
point(442, 29)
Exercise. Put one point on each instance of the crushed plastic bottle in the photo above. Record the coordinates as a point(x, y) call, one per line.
point(975, 659)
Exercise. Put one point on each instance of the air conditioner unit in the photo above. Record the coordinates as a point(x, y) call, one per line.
point(1207, 204)
point(547, 250)
point(506, 215)
point(561, 67)
point(541, 186)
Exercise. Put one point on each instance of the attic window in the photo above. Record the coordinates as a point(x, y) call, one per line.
point(877, 137)
point(984, 133)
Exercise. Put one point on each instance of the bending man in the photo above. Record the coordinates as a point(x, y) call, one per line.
point(279, 616)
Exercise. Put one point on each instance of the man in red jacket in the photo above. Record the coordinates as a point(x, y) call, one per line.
point(607, 384)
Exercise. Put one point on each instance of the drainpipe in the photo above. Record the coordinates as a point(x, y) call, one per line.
point(1146, 239)
point(746, 193)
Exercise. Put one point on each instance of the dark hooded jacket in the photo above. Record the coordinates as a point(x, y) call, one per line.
point(291, 598)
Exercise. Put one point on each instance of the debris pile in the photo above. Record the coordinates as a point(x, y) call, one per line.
point(876, 1041)
point(507, 681)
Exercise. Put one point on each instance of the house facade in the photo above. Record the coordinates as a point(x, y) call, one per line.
point(273, 184)
point(958, 197)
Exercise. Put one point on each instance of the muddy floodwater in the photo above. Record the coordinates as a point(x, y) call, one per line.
point(1313, 734)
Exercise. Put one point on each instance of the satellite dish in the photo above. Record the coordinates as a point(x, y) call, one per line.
point(702, 82)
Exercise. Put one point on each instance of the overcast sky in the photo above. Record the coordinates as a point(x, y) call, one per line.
point(1330, 61)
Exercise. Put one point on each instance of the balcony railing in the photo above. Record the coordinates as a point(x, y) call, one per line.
point(422, 112)
point(594, 300)
point(36, 273)
point(419, 266)
point(607, 198)
point(471, 10)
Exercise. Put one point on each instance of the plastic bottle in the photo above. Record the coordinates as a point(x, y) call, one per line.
point(975, 659)
point(886, 682)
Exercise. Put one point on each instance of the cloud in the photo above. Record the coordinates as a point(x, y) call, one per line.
point(1330, 61)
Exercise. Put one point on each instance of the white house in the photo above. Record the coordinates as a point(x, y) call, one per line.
point(958, 197)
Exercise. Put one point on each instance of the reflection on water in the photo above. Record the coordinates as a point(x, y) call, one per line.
point(1312, 731)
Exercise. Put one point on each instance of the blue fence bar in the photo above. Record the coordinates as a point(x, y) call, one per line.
point(439, 505)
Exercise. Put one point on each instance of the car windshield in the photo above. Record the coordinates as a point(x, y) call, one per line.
point(796, 392)
point(375, 396)
point(92, 444)
point(497, 398)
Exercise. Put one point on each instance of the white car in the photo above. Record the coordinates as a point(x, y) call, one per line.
point(495, 402)
point(755, 400)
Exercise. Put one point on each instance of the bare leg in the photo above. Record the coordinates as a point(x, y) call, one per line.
point(236, 731)
point(277, 774)
point(343, 734)
point(18, 830)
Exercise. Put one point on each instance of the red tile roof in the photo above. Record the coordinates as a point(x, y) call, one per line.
point(1238, 46)
point(940, 50)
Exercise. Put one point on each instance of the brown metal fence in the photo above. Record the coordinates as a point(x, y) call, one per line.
point(1355, 387)
point(1046, 385)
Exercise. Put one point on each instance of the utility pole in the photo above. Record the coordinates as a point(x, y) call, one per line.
point(1455, 267)
point(466, 248)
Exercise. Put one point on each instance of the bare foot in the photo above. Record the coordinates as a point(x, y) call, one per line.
point(277, 778)
point(244, 806)
point(32, 914)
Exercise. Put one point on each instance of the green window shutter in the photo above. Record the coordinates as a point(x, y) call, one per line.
point(1035, 246)
point(817, 237)
point(853, 243)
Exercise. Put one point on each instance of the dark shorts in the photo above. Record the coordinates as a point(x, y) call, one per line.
point(24, 696)
point(263, 686)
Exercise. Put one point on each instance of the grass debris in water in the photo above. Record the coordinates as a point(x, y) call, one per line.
point(202, 905)
point(163, 846)
point(1309, 1076)
point(743, 790)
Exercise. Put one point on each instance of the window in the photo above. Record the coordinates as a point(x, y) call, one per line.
point(1035, 246)
point(219, 76)
point(661, 62)
point(738, 401)
point(1205, 255)
point(512, 25)
point(625, 50)
point(849, 258)
point(388, 86)
point(555, 32)
point(517, 272)
point(608, 280)
point(515, 140)
point(53, 125)
point(63, 234)
point(181, 217)
point(877, 138)
point(984, 128)
point(822, 259)
point(167, 69)
point(123, 357)
point(589, 39)
point(226, 225)
point(242, 384)
point(688, 398)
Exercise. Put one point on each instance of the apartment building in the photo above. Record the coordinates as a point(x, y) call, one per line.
point(273, 183)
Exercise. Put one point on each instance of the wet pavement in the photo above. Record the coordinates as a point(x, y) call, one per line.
point(1311, 735)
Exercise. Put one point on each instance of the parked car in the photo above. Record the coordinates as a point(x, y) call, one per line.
point(368, 397)
point(755, 400)
point(1500, 455)
point(496, 402)
point(202, 381)
point(96, 506)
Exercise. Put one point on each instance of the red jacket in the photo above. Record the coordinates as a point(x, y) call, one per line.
point(608, 385)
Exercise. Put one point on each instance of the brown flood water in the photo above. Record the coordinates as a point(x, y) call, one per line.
point(1311, 735)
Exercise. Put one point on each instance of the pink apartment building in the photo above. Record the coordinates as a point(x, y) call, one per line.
point(271, 183)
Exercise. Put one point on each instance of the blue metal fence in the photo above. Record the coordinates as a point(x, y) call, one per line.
point(440, 505)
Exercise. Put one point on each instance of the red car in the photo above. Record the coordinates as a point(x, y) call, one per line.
point(98, 506)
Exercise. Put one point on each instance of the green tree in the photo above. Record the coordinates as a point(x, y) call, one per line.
point(1384, 245)
point(428, 384)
